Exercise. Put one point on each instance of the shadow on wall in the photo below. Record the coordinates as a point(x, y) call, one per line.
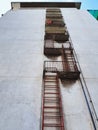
point(68, 83)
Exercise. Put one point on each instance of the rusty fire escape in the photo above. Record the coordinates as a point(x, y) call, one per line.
point(52, 114)
point(56, 43)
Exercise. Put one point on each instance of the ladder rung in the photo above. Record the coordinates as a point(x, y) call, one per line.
point(50, 93)
point(51, 88)
point(50, 76)
point(52, 101)
point(57, 116)
point(53, 125)
point(51, 112)
point(51, 97)
point(50, 81)
point(51, 85)
point(52, 107)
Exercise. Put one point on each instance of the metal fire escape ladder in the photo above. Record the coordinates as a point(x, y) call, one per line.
point(52, 113)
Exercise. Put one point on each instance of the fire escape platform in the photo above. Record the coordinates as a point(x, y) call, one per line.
point(54, 23)
point(49, 15)
point(59, 36)
point(53, 10)
point(51, 48)
point(63, 75)
point(52, 51)
point(64, 70)
point(55, 28)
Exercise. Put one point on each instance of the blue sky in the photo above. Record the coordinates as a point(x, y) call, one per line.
point(5, 5)
point(89, 4)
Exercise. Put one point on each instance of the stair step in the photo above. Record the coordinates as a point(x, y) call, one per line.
point(50, 93)
point(50, 81)
point(52, 108)
point(52, 98)
point(53, 125)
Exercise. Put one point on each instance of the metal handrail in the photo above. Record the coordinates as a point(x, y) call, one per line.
point(61, 66)
point(51, 45)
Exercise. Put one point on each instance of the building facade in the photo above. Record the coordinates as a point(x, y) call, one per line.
point(23, 41)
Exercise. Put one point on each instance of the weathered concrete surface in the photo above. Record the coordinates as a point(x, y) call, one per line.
point(21, 64)
point(21, 68)
point(83, 29)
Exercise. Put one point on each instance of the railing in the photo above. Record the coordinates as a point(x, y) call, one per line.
point(54, 13)
point(53, 10)
point(87, 95)
point(60, 66)
point(53, 23)
point(49, 43)
point(56, 20)
point(53, 16)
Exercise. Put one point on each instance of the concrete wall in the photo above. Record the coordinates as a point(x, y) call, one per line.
point(83, 29)
point(21, 68)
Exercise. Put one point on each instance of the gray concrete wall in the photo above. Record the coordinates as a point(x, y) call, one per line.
point(21, 68)
point(83, 29)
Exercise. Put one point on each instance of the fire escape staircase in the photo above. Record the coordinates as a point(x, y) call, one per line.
point(70, 69)
point(67, 68)
point(52, 114)
point(56, 33)
point(50, 49)
point(55, 28)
